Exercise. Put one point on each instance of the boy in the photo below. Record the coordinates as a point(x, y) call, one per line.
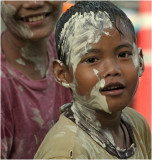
point(30, 96)
point(101, 64)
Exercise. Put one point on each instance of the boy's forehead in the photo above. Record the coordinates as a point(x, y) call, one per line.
point(96, 22)
point(81, 30)
point(86, 26)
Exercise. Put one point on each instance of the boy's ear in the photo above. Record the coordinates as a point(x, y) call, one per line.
point(141, 62)
point(61, 73)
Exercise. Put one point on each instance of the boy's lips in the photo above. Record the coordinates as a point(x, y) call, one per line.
point(112, 89)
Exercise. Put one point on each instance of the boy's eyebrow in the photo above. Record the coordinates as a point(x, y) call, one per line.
point(96, 50)
point(93, 50)
point(128, 45)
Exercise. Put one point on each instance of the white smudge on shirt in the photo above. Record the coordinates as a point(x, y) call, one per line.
point(37, 117)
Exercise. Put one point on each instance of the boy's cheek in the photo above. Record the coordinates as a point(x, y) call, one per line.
point(82, 91)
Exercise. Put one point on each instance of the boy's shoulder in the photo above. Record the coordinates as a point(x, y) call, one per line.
point(133, 115)
point(136, 120)
point(59, 141)
point(140, 128)
point(65, 140)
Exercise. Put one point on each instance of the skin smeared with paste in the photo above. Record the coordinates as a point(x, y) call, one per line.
point(137, 58)
point(88, 30)
point(9, 11)
point(28, 52)
point(135, 55)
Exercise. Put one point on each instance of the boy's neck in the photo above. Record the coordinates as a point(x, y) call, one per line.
point(111, 121)
point(26, 55)
point(101, 121)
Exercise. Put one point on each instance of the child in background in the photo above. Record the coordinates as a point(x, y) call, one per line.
point(30, 97)
point(101, 64)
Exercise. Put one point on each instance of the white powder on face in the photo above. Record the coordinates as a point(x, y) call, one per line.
point(135, 55)
point(97, 101)
point(86, 29)
point(96, 73)
point(8, 14)
point(102, 83)
point(137, 59)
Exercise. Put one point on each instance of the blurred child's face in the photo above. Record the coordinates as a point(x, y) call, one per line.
point(104, 71)
point(31, 19)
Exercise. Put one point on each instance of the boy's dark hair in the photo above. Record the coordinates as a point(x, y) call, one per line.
point(116, 15)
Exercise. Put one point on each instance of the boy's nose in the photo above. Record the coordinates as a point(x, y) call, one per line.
point(111, 68)
point(33, 4)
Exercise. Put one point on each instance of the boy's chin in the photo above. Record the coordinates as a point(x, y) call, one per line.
point(116, 109)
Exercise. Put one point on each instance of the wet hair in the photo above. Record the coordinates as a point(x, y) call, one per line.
point(116, 16)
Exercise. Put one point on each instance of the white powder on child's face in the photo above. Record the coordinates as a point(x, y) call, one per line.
point(8, 14)
point(98, 101)
point(102, 82)
point(137, 59)
point(79, 32)
point(96, 73)
point(135, 55)
point(77, 36)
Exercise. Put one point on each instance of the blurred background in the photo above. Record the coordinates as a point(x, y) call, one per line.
point(140, 14)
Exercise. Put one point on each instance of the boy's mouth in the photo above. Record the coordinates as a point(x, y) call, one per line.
point(114, 88)
point(35, 18)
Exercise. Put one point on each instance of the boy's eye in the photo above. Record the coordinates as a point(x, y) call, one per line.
point(125, 54)
point(91, 60)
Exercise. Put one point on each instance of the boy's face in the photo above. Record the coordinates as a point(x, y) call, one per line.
point(104, 65)
point(109, 71)
point(107, 76)
point(31, 19)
